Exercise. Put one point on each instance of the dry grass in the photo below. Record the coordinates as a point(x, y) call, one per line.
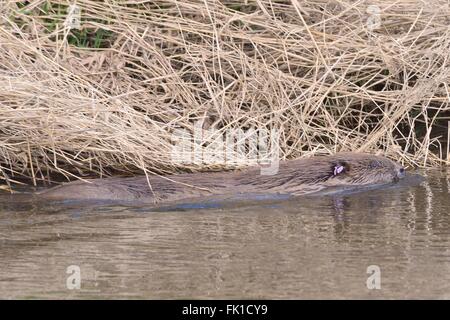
point(311, 68)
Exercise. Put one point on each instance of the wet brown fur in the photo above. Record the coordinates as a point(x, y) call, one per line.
point(296, 177)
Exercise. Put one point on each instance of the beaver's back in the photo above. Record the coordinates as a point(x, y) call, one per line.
point(296, 177)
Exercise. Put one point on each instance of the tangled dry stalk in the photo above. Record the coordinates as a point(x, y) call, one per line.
point(315, 69)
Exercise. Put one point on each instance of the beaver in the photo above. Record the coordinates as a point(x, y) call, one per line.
point(294, 178)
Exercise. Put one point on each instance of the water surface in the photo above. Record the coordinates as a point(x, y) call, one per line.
point(301, 248)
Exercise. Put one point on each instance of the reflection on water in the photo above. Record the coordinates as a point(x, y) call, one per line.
point(296, 248)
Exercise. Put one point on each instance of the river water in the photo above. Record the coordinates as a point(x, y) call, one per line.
point(386, 243)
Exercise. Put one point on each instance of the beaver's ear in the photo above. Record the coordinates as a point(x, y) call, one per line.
point(340, 168)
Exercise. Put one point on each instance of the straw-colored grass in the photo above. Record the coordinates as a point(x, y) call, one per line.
point(103, 99)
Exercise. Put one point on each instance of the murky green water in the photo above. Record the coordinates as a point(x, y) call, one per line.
point(300, 248)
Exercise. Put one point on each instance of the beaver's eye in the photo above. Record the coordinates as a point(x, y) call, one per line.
point(402, 170)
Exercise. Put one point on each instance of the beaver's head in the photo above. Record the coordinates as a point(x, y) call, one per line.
point(362, 169)
point(333, 172)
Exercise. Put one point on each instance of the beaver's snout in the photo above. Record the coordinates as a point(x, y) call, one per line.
point(401, 172)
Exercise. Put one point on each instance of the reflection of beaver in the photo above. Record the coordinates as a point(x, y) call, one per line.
point(296, 177)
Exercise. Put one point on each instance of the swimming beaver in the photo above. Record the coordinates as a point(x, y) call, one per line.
point(295, 177)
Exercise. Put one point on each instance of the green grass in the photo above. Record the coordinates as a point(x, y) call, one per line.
point(52, 16)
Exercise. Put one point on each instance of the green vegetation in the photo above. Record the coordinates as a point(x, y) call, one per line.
point(52, 15)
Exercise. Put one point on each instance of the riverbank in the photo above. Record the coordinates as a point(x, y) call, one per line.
point(103, 94)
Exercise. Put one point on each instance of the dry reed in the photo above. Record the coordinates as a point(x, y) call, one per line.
point(316, 70)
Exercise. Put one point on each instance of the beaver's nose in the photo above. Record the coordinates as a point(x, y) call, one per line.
point(401, 172)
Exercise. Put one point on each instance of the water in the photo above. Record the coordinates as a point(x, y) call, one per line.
point(296, 248)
